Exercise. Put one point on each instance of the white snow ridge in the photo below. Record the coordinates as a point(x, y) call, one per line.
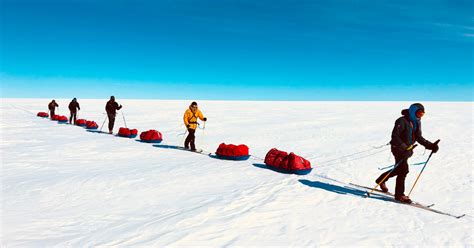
point(63, 186)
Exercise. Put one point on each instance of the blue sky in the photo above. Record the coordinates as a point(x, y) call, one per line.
point(238, 50)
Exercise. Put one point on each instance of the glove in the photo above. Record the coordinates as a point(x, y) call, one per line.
point(188, 126)
point(205, 119)
point(434, 148)
point(409, 148)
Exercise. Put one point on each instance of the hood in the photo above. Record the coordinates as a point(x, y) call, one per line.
point(412, 113)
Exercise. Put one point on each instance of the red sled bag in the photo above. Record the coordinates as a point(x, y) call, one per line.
point(42, 114)
point(81, 122)
point(151, 136)
point(287, 163)
point(91, 125)
point(55, 117)
point(127, 133)
point(232, 152)
point(294, 162)
point(62, 119)
point(275, 157)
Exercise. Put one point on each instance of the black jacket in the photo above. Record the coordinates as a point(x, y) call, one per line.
point(52, 106)
point(74, 106)
point(111, 107)
point(403, 134)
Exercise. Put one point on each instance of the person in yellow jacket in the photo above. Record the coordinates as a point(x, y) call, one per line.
point(190, 120)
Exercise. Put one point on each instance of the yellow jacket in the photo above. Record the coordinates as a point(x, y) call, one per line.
point(190, 118)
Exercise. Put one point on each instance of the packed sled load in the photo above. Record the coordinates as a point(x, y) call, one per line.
point(288, 163)
point(127, 132)
point(81, 122)
point(42, 114)
point(232, 152)
point(151, 136)
point(62, 119)
point(91, 125)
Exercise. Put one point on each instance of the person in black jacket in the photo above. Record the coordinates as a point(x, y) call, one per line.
point(73, 108)
point(111, 107)
point(406, 132)
point(52, 107)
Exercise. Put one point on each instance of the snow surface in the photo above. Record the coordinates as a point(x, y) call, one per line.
point(64, 186)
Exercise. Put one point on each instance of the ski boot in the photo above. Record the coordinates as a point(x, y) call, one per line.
point(403, 199)
point(383, 187)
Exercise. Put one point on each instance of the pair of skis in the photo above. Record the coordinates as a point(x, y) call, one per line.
point(390, 196)
point(182, 148)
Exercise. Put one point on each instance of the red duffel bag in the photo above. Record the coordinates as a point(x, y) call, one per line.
point(294, 162)
point(128, 133)
point(288, 163)
point(81, 122)
point(275, 157)
point(91, 125)
point(42, 114)
point(242, 150)
point(62, 119)
point(151, 136)
point(233, 152)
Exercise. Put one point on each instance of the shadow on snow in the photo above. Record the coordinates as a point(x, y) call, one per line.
point(342, 190)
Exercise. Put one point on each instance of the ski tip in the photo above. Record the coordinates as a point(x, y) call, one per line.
point(460, 216)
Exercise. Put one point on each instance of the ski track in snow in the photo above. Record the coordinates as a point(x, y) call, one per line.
point(63, 186)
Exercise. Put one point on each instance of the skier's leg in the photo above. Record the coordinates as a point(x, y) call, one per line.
point(111, 122)
point(192, 138)
point(188, 139)
point(402, 173)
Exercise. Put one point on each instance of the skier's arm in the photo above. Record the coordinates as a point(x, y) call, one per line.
point(185, 119)
point(201, 116)
point(118, 107)
point(397, 130)
point(79, 107)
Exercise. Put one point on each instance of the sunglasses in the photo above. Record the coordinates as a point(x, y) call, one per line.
point(419, 113)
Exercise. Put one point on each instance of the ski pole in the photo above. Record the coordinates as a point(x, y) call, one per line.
point(124, 120)
point(203, 133)
point(383, 180)
point(390, 166)
point(436, 143)
point(100, 130)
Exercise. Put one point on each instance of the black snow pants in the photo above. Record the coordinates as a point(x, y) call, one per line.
point(73, 115)
point(190, 139)
point(111, 121)
point(401, 171)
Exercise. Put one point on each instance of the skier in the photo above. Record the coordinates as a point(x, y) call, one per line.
point(406, 132)
point(73, 108)
point(52, 107)
point(190, 120)
point(111, 107)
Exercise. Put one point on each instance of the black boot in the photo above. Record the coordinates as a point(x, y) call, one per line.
point(383, 187)
point(403, 199)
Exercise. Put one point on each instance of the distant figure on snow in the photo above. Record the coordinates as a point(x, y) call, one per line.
point(52, 107)
point(190, 120)
point(73, 108)
point(111, 107)
point(406, 132)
